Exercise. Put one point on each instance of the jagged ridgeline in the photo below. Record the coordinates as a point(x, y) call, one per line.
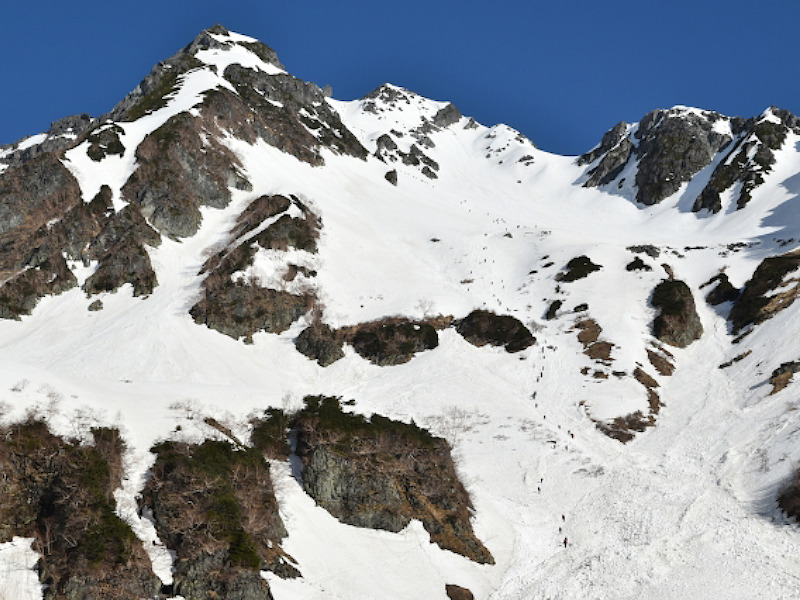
point(231, 237)
point(49, 229)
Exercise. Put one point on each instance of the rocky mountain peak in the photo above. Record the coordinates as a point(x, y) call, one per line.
point(668, 147)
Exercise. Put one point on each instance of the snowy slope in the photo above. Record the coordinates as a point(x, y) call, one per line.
point(685, 510)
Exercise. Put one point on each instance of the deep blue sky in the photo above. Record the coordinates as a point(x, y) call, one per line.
point(562, 71)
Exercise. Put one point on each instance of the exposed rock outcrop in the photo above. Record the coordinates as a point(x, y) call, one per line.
point(380, 473)
point(760, 299)
point(181, 168)
point(674, 145)
point(120, 250)
point(577, 268)
point(481, 327)
point(749, 160)
point(391, 341)
point(723, 291)
point(239, 306)
point(321, 343)
point(589, 337)
point(62, 135)
point(677, 322)
point(214, 506)
point(61, 493)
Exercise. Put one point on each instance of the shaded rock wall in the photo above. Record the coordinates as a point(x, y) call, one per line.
point(677, 322)
point(380, 473)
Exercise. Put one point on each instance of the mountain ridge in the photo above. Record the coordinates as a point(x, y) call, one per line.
point(235, 241)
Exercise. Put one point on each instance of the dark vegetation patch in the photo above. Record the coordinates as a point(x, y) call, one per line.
point(677, 323)
point(320, 343)
point(388, 342)
point(577, 268)
point(757, 303)
point(381, 473)
point(60, 493)
point(269, 434)
point(214, 506)
point(637, 264)
point(481, 327)
point(723, 291)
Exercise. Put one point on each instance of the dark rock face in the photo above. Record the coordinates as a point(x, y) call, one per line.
point(63, 134)
point(789, 498)
point(150, 94)
point(48, 221)
point(380, 474)
point(392, 342)
point(61, 494)
point(447, 116)
point(611, 164)
point(611, 138)
point(33, 196)
point(749, 160)
point(123, 259)
point(179, 171)
point(577, 268)
point(105, 141)
point(723, 291)
point(481, 327)
point(677, 323)
point(284, 111)
point(552, 310)
point(214, 506)
point(672, 148)
point(782, 376)
point(757, 302)
point(637, 264)
point(319, 342)
point(240, 307)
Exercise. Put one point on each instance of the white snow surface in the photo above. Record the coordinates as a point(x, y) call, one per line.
point(686, 510)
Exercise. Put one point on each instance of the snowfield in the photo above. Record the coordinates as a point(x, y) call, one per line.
point(686, 510)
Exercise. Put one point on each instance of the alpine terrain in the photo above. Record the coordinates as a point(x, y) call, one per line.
point(259, 343)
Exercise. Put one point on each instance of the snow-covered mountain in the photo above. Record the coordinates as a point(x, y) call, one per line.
point(606, 342)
